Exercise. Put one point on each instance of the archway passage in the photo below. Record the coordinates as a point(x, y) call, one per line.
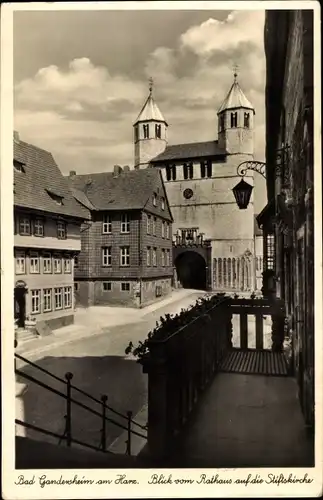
point(191, 270)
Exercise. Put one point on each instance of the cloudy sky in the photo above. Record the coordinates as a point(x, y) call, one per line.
point(81, 78)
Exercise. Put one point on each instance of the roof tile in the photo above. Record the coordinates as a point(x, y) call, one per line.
point(191, 150)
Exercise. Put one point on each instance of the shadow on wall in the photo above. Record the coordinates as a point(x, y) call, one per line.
point(191, 270)
point(120, 379)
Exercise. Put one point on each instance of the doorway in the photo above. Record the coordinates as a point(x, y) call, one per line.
point(191, 270)
point(20, 306)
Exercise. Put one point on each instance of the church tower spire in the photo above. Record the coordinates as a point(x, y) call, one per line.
point(236, 121)
point(150, 131)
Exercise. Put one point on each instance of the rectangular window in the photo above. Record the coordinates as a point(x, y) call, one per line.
point(106, 256)
point(20, 263)
point(61, 230)
point(47, 263)
point(57, 264)
point(234, 120)
point(107, 224)
point(125, 287)
point(163, 257)
point(38, 227)
point(76, 287)
point(171, 172)
point(136, 134)
point(158, 131)
point(203, 169)
point(148, 224)
point(24, 226)
point(168, 231)
point(47, 299)
point(246, 120)
point(67, 265)
point(188, 170)
point(67, 297)
point(148, 256)
point(35, 301)
point(163, 229)
point(155, 257)
point(125, 223)
point(154, 226)
point(146, 131)
point(270, 251)
point(168, 258)
point(34, 263)
point(58, 298)
point(124, 256)
point(76, 261)
point(107, 286)
point(163, 203)
point(155, 200)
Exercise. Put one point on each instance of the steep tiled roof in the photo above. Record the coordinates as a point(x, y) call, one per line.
point(235, 99)
point(191, 150)
point(41, 178)
point(126, 191)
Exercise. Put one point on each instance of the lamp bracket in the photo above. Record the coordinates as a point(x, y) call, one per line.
point(281, 166)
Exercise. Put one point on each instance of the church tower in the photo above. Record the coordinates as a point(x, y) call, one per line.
point(236, 122)
point(150, 132)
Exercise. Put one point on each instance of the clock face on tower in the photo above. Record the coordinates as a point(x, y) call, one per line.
point(188, 193)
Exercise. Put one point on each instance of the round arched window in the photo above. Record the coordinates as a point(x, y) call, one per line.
point(188, 193)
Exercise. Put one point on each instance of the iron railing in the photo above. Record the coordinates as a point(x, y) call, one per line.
point(67, 435)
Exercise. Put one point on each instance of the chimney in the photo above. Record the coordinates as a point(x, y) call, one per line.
point(72, 173)
point(126, 168)
point(16, 136)
point(116, 170)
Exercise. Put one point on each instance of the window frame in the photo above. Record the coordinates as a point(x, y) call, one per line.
point(154, 226)
point(125, 257)
point(60, 294)
point(50, 295)
point(32, 297)
point(20, 255)
point(34, 255)
point(154, 259)
point(148, 256)
point(125, 283)
point(36, 224)
point(24, 232)
point(148, 223)
point(125, 224)
point(57, 258)
point(107, 224)
point(69, 270)
point(109, 289)
point(106, 253)
point(155, 199)
point(67, 292)
point(47, 256)
point(61, 230)
point(162, 203)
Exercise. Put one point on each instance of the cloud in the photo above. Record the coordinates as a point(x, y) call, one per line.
point(83, 113)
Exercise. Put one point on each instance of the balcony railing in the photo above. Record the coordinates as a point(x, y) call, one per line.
point(181, 366)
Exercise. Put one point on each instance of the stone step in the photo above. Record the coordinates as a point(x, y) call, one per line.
point(23, 335)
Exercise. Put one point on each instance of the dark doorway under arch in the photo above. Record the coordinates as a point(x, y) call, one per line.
point(191, 270)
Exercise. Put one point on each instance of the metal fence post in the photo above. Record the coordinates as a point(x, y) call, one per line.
point(68, 377)
point(129, 415)
point(104, 400)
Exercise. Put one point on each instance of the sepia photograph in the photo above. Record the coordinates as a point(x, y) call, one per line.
point(163, 248)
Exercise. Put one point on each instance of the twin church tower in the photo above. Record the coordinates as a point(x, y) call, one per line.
point(199, 178)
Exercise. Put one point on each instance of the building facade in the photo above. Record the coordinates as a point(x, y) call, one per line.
point(126, 247)
point(47, 222)
point(211, 234)
point(288, 220)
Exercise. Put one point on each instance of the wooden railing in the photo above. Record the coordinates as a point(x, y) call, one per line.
point(260, 311)
point(181, 366)
point(179, 369)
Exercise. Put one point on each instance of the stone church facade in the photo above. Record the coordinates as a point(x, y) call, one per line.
point(214, 242)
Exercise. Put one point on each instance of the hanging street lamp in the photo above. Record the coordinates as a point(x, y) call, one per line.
point(242, 193)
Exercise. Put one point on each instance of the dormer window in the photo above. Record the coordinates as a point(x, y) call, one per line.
point(155, 200)
point(247, 120)
point(18, 166)
point(234, 120)
point(55, 197)
point(158, 131)
point(163, 203)
point(146, 131)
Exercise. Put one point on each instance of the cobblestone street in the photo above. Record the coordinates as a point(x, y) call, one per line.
point(99, 366)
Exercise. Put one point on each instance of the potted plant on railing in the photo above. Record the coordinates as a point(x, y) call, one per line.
point(171, 323)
